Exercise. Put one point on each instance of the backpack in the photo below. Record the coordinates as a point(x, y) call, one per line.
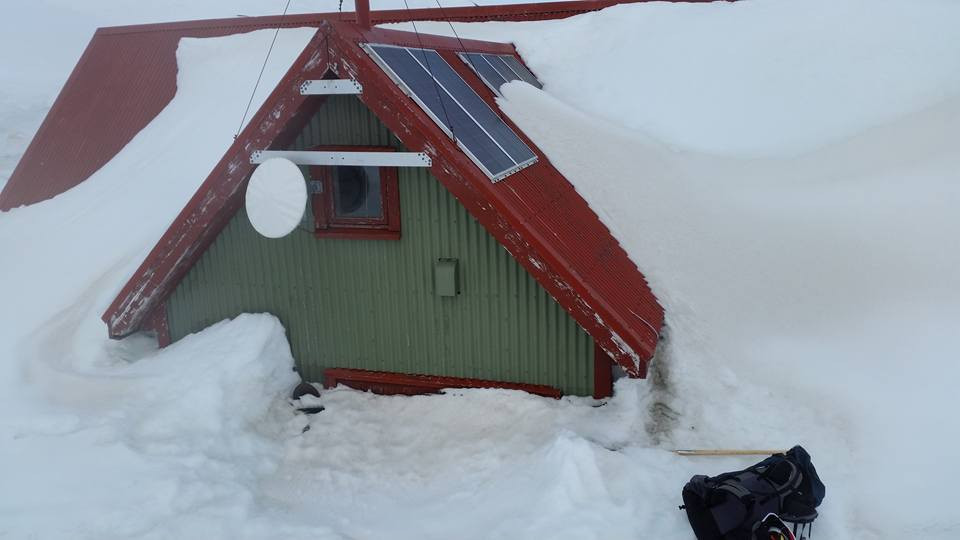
point(729, 506)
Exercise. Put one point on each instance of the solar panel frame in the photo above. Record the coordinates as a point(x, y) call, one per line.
point(371, 49)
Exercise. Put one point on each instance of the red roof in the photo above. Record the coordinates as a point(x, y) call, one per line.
point(535, 213)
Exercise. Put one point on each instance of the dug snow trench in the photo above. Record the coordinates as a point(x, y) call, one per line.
point(807, 266)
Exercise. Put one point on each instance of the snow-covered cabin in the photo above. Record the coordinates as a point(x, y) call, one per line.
point(485, 268)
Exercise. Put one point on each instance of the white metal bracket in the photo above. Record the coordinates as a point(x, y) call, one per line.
point(363, 159)
point(328, 87)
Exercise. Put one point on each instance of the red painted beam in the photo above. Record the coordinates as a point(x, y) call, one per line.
point(503, 12)
point(602, 373)
point(363, 13)
point(390, 383)
point(157, 323)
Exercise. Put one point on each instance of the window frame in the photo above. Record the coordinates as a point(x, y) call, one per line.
point(326, 224)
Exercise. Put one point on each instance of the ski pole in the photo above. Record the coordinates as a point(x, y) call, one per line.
point(726, 452)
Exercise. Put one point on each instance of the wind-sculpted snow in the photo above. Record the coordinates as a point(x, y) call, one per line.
point(174, 440)
point(784, 173)
point(786, 176)
point(754, 78)
point(808, 299)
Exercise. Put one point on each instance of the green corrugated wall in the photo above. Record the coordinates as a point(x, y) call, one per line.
point(370, 304)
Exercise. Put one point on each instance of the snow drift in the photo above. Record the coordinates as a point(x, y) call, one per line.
point(784, 173)
point(175, 440)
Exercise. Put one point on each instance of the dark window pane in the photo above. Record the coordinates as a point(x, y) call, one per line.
point(521, 70)
point(356, 192)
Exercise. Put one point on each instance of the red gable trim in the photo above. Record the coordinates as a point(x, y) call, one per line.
point(535, 214)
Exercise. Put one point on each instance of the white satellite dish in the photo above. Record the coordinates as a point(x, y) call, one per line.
point(276, 198)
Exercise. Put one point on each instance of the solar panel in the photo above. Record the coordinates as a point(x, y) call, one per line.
point(498, 69)
point(490, 76)
point(447, 99)
point(501, 67)
point(521, 70)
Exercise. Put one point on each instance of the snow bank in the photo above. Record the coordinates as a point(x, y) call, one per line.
point(808, 299)
point(786, 175)
point(83, 429)
point(67, 257)
point(480, 464)
point(175, 440)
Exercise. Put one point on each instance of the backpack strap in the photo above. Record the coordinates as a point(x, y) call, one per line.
point(793, 481)
point(735, 509)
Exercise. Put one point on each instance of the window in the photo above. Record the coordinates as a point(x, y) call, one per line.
point(353, 201)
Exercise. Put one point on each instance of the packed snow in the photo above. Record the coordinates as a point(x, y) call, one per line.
point(784, 173)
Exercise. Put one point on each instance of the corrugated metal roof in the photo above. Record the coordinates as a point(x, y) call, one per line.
point(107, 100)
point(536, 213)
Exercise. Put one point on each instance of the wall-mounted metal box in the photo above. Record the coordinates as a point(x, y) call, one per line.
point(446, 281)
